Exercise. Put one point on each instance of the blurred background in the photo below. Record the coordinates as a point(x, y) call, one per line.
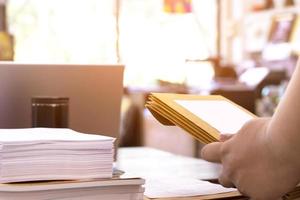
point(241, 49)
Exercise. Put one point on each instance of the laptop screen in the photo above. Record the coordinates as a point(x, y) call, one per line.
point(94, 93)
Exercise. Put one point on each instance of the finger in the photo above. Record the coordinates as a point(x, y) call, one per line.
point(225, 137)
point(225, 181)
point(211, 152)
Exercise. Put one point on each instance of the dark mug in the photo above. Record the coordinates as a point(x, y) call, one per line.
point(50, 112)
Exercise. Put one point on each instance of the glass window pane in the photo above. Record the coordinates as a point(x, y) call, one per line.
point(81, 31)
point(155, 44)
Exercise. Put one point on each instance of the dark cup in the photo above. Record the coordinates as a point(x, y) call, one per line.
point(50, 112)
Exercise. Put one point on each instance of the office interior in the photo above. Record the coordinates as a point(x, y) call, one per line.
point(241, 49)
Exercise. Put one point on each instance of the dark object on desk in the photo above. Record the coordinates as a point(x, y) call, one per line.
point(225, 72)
point(50, 112)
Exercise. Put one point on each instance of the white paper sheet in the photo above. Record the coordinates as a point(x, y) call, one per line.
point(181, 187)
point(220, 114)
point(47, 134)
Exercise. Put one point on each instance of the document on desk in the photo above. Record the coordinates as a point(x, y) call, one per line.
point(183, 187)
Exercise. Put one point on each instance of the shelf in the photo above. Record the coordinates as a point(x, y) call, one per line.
point(273, 11)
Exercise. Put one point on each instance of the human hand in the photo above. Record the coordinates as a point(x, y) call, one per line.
point(251, 164)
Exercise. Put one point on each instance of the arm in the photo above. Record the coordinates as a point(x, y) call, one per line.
point(284, 127)
point(262, 159)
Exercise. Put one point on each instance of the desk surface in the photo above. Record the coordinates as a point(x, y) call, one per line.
point(149, 162)
point(169, 175)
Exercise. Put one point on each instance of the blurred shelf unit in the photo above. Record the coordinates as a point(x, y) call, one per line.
point(247, 28)
point(261, 27)
point(273, 11)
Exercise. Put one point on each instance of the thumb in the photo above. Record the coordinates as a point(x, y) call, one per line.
point(211, 152)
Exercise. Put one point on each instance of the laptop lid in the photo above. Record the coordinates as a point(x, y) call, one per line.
point(94, 93)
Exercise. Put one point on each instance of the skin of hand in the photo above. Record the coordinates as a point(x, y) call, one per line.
point(251, 164)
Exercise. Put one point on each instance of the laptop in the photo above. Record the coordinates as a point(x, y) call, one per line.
point(94, 93)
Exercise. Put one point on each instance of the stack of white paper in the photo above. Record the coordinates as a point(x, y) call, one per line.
point(36, 154)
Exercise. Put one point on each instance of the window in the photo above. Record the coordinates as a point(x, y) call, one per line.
point(153, 44)
point(63, 31)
